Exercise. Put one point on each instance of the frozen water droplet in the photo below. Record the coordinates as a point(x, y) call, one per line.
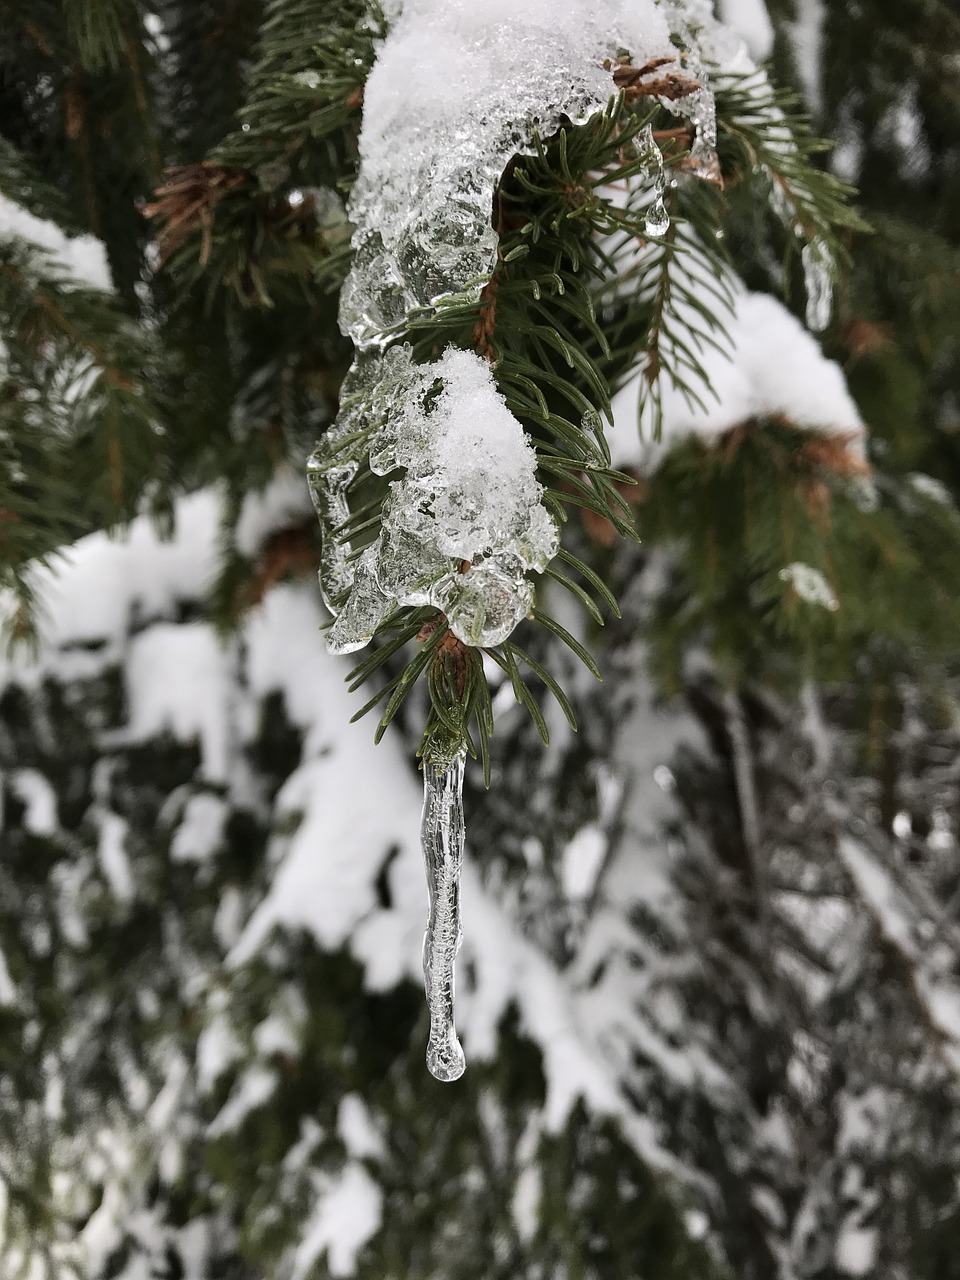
point(657, 222)
point(484, 605)
point(818, 280)
point(442, 837)
point(366, 609)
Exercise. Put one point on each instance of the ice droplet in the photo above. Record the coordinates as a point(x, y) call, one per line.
point(442, 839)
point(657, 222)
point(818, 280)
point(484, 605)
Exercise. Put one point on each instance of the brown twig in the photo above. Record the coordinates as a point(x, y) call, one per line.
point(187, 201)
point(630, 79)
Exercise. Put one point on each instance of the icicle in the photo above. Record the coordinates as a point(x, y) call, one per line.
point(699, 106)
point(656, 220)
point(442, 838)
point(819, 284)
point(330, 499)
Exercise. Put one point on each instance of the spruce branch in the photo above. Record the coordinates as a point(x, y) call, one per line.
point(82, 404)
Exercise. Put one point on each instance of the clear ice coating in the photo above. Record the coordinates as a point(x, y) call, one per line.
point(463, 523)
point(442, 839)
point(458, 88)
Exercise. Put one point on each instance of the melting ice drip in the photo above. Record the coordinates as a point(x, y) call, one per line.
point(442, 838)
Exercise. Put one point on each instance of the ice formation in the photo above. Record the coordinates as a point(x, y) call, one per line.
point(462, 525)
point(458, 88)
point(442, 840)
point(456, 91)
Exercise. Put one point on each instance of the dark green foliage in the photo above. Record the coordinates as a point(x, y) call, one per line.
point(219, 361)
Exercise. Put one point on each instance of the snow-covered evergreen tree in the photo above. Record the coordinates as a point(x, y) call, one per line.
point(622, 347)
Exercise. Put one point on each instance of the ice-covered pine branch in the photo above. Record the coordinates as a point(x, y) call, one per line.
point(469, 423)
point(464, 522)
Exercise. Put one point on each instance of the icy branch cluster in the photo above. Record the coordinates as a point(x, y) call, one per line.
point(464, 523)
point(458, 88)
point(456, 91)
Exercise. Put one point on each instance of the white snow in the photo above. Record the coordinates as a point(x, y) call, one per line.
point(101, 586)
point(856, 1251)
point(450, 456)
point(347, 1213)
point(201, 828)
point(773, 367)
point(285, 501)
point(8, 992)
point(276, 1035)
point(360, 1135)
point(112, 854)
point(34, 791)
point(750, 20)
point(525, 1204)
point(252, 1090)
point(217, 1047)
point(888, 907)
point(807, 33)
point(179, 680)
point(810, 585)
point(84, 257)
point(581, 861)
point(930, 488)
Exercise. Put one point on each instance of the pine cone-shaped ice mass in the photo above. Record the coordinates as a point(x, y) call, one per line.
point(457, 89)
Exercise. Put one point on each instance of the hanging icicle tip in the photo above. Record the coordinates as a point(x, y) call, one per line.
point(442, 836)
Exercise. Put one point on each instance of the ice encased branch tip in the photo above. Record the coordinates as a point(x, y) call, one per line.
point(457, 90)
point(461, 524)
